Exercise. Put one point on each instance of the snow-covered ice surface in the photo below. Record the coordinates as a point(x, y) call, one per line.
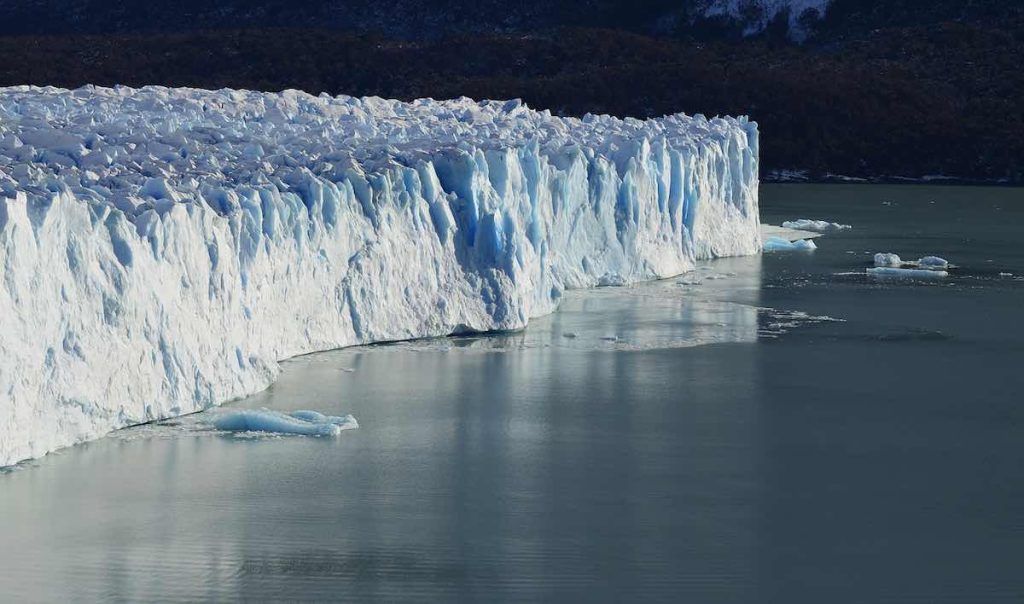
point(163, 249)
point(817, 226)
point(755, 15)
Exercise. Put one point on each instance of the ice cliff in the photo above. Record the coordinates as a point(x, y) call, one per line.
point(162, 249)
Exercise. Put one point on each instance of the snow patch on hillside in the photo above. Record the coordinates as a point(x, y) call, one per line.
point(755, 15)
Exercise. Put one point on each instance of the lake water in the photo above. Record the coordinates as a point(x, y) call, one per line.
point(777, 429)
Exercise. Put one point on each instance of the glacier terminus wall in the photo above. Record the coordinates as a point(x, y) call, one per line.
point(162, 249)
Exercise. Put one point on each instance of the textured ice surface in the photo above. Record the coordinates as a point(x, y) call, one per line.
point(817, 226)
point(888, 259)
point(779, 244)
point(906, 273)
point(928, 262)
point(162, 249)
point(933, 262)
point(305, 423)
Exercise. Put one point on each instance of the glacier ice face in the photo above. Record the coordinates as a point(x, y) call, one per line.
point(162, 249)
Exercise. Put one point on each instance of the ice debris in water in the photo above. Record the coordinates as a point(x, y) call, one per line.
point(778, 244)
point(817, 226)
point(162, 249)
point(884, 259)
point(933, 262)
point(306, 423)
point(894, 261)
point(906, 273)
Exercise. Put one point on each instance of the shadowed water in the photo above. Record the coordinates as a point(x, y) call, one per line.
point(778, 429)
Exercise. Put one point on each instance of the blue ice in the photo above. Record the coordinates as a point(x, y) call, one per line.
point(306, 423)
point(778, 244)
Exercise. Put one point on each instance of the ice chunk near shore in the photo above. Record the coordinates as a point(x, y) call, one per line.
point(305, 423)
point(161, 250)
point(778, 244)
point(906, 273)
point(817, 226)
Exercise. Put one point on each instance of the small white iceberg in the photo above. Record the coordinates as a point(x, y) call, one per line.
point(817, 226)
point(888, 272)
point(306, 423)
point(778, 244)
point(933, 262)
point(928, 262)
point(885, 259)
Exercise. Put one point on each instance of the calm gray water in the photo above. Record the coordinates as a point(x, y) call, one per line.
point(723, 447)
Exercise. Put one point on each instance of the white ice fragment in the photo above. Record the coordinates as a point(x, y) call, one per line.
point(817, 226)
point(906, 273)
point(928, 262)
point(933, 262)
point(306, 423)
point(778, 244)
point(887, 259)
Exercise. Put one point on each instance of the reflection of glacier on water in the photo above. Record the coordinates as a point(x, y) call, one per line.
point(716, 303)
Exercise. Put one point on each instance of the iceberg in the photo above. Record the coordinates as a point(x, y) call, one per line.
point(928, 262)
point(888, 259)
point(780, 244)
point(304, 423)
point(816, 226)
point(163, 249)
point(933, 263)
point(906, 273)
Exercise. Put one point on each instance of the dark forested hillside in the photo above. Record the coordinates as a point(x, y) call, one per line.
point(938, 92)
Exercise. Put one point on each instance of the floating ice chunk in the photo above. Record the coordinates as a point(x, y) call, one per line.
point(306, 423)
point(817, 226)
point(906, 273)
point(346, 422)
point(933, 262)
point(928, 262)
point(883, 259)
point(778, 244)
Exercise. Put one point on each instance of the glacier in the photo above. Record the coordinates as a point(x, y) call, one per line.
point(163, 249)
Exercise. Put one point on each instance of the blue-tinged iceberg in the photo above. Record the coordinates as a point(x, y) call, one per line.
point(162, 249)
